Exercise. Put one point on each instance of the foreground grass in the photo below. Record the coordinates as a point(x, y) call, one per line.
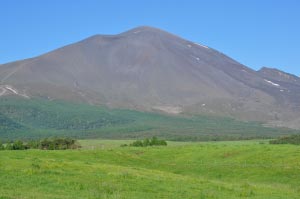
point(244, 169)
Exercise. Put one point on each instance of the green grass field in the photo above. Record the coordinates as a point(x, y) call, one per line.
point(102, 169)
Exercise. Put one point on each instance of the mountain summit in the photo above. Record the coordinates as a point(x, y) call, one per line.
point(152, 70)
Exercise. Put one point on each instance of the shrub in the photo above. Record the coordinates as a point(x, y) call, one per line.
point(45, 144)
point(58, 144)
point(1, 146)
point(137, 143)
point(18, 145)
point(154, 141)
point(33, 144)
point(9, 146)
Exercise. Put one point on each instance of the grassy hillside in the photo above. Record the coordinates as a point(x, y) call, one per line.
point(241, 169)
point(37, 118)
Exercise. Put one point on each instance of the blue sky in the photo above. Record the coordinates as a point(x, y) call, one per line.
point(254, 32)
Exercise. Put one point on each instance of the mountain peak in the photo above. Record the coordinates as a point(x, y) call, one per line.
point(145, 29)
point(148, 30)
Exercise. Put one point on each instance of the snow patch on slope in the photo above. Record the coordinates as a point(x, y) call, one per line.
point(6, 89)
point(201, 45)
point(12, 90)
point(169, 109)
point(197, 58)
point(272, 83)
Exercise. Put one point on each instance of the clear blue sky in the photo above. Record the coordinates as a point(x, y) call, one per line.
point(254, 32)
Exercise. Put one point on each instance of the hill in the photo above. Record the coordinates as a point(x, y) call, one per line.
point(148, 69)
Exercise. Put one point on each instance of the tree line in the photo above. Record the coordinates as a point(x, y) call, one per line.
point(292, 139)
point(44, 144)
point(154, 141)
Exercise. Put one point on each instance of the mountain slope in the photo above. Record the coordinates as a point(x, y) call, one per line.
point(149, 69)
point(38, 118)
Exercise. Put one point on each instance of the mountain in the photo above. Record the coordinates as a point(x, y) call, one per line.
point(149, 69)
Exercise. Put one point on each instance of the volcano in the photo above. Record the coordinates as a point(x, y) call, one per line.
point(150, 69)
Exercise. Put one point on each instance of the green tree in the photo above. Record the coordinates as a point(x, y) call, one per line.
point(1, 146)
point(18, 145)
point(137, 143)
point(8, 146)
point(33, 144)
point(154, 141)
point(146, 142)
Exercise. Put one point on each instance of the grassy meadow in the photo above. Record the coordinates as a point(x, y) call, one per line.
point(103, 169)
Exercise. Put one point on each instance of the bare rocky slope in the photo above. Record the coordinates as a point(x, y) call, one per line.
point(152, 70)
